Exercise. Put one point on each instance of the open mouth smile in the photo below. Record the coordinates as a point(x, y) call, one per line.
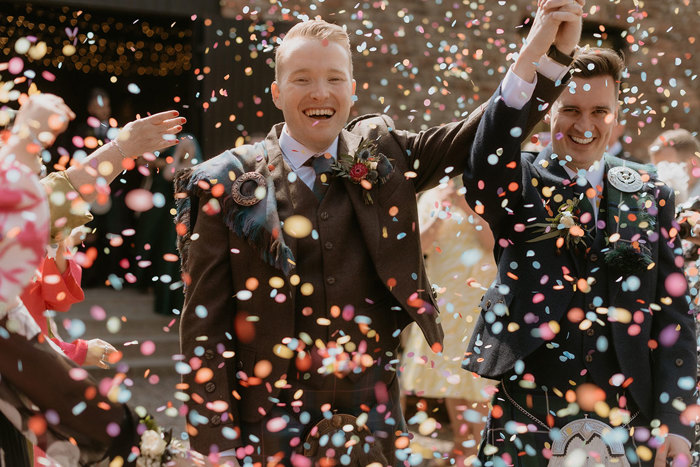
point(579, 140)
point(319, 114)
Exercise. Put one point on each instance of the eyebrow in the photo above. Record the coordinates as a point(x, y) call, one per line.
point(307, 70)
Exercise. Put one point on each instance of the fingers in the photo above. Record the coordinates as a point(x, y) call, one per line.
point(174, 130)
point(160, 117)
point(563, 16)
point(660, 458)
point(174, 121)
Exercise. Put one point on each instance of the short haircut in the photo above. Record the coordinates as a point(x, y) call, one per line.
point(597, 61)
point(315, 29)
point(681, 140)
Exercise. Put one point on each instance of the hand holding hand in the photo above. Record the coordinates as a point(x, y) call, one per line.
point(551, 26)
point(98, 353)
point(676, 448)
point(569, 33)
point(150, 133)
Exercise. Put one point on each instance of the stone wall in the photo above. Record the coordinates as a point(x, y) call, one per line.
point(426, 62)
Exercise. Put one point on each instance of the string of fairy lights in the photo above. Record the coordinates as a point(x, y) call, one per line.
point(96, 41)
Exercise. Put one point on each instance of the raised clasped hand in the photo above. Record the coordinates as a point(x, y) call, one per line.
point(556, 22)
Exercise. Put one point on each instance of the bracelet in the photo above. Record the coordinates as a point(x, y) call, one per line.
point(119, 148)
point(560, 57)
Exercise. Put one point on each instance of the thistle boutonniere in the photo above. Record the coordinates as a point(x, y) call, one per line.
point(366, 168)
point(566, 225)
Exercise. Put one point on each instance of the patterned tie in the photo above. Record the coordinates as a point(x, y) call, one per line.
point(322, 166)
point(586, 213)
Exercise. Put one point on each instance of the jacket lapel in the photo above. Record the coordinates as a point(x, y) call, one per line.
point(553, 174)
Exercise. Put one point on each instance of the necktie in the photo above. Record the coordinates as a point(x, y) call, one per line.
point(322, 166)
point(586, 213)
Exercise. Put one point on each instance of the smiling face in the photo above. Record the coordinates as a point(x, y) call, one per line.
point(583, 120)
point(314, 90)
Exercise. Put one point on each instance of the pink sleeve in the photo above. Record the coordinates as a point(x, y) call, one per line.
point(76, 350)
point(60, 291)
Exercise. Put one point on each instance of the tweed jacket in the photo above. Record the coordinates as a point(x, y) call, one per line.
point(654, 344)
point(239, 263)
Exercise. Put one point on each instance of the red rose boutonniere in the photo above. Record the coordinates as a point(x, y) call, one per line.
point(366, 167)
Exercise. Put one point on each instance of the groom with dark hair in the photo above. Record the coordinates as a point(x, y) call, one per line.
point(587, 324)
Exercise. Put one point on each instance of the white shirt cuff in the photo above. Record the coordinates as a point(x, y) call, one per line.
point(553, 70)
point(515, 91)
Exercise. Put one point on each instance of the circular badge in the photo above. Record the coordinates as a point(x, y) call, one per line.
point(625, 179)
point(244, 188)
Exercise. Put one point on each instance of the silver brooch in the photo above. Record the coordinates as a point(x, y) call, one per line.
point(245, 195)
point(625, 179)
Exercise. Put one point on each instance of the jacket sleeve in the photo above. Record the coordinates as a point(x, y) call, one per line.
point(445, 150)
point(493, 173)
point(206, 328)
point(62, 290)
point(674, 360)
point(83, 420)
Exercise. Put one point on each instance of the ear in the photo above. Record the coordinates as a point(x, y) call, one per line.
point(548, 117)
point(354, 87)
point(275, 90)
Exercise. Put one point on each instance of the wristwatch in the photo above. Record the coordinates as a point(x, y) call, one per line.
point(560, 57)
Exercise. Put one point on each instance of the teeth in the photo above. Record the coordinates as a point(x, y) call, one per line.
point(319, 112)
point(581, 140)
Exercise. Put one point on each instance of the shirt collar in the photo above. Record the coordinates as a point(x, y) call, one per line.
point(594, 174)
point(296, 153)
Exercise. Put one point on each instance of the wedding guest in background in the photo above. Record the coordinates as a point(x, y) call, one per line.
point(676, 154)
point(587, 325)
point(457, 245)
point(28, 221)
point(156, 258)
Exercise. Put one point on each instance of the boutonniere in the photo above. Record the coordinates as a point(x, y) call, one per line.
point(157, 447)
point(627, 257)
point(566, 225)
point(366, 168)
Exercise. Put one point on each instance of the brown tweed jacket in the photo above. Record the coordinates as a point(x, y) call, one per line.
point(239, 265)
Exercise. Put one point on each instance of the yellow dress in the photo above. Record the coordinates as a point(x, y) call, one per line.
point(461, 269)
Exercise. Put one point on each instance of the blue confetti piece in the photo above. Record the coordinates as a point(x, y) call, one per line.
point(201, 311)
point(79, 408)
point(182, 368)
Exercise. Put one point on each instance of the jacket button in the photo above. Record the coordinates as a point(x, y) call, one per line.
point(215, 420)
point(210, 387)
point(325, 216)
point(679, 362)
point(591, 306)
point(589, 358)
point(590, 332)
point(330, 280)
point(594, 257)
point(328, 245)
point(239, 364)
point(209, 354)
